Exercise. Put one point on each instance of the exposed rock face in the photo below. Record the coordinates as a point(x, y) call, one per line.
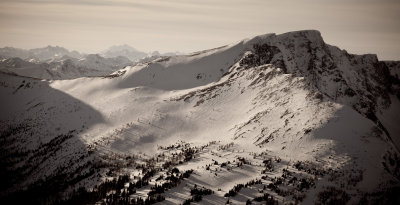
point(394, 68)
point(360, 81)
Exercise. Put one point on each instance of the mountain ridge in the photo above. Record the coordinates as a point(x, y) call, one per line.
point(91, 65)
point(38, 54)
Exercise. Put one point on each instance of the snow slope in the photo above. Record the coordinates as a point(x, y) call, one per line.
point(289, 101)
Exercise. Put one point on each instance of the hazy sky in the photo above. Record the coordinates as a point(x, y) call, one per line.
point(359, 26)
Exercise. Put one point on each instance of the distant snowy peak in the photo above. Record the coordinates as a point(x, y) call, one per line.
point(123, 50)
point(122, 47)
point(134, 54)
point(53, 52)
point(38, 54)
point(9, 52)
point(65, 68)
point(155, 53)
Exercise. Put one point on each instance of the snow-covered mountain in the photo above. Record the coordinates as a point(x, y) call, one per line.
point(133, 54)
point(275, 119)
point(38, 54)
point(124, 50)
point(57, 63)
point(91, 65)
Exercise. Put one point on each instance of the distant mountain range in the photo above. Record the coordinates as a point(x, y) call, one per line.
point(65, 68)
point(38, 54)
point(54, 62)
point(132, 53)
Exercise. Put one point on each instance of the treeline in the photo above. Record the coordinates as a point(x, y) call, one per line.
point(197, 194)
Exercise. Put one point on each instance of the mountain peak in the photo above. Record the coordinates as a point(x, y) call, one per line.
point(123, 50)
point(121, 47)
point(311, 35)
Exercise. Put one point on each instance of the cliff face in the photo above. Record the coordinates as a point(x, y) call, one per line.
point(359, 81)
point(343, 77)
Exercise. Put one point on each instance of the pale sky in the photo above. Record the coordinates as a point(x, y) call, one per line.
point(359, 26)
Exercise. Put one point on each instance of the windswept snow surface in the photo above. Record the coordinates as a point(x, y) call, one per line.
point(322, 117)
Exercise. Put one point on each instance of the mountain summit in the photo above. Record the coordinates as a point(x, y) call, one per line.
point(273, 119)
point(123, 50)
